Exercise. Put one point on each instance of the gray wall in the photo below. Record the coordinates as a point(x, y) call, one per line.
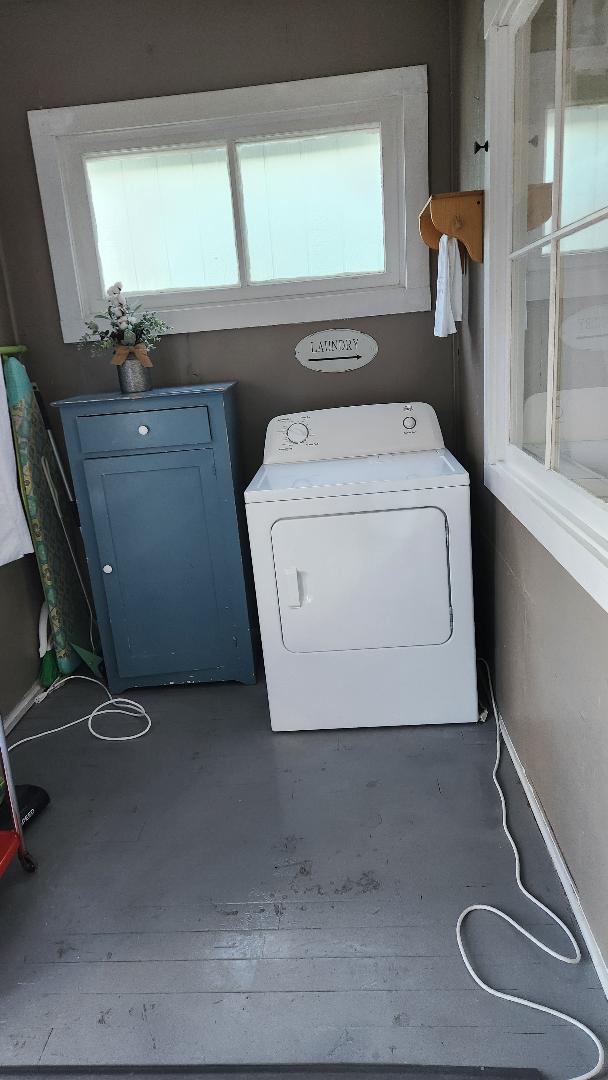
point(548, 640)
point(20, 594)
point(63, 54)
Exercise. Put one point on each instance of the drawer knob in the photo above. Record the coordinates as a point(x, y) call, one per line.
point(143, 429)
point(108, 569)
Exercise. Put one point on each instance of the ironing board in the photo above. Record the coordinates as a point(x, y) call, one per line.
point(49, 516)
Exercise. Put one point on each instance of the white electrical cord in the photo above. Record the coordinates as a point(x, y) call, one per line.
point(501, 914)
point(120, 705)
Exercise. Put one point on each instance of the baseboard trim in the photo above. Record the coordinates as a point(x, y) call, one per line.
point(15, 715)
point(561, 867)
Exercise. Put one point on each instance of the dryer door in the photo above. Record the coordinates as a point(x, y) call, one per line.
point(374, 580)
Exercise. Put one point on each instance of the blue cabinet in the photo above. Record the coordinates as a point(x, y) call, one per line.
point(160, 516)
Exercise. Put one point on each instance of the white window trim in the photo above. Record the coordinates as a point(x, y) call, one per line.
point(567, 520)
point(396, 98)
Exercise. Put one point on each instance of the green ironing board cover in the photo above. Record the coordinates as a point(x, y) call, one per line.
point(68, 614)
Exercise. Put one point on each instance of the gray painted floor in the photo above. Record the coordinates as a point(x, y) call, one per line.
point(214, 893)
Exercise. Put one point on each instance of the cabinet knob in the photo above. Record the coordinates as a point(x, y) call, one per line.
point(108, 569)
point(143, 429)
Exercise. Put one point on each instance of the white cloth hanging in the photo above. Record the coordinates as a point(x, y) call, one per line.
point(15, 540)
point(448, 308)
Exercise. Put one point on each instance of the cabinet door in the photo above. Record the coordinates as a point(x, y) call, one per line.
point(160, 558)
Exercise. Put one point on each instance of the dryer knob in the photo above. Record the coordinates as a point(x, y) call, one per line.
point(409, 423)
point(297, 433)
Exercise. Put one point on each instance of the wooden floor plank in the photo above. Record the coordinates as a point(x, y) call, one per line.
point(320, 974)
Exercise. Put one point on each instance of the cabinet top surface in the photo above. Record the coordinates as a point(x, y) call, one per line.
point(148, 395)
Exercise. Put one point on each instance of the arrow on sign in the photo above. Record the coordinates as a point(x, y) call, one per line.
point(319, 359)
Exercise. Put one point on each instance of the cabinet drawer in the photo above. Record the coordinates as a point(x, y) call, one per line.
point(144, 430)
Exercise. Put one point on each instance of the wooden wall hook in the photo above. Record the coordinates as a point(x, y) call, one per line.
point(455, 213)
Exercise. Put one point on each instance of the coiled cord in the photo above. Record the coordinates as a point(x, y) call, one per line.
point(520, 929)
point(117, 705)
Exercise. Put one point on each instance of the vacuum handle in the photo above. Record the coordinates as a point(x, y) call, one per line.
point(10, 787)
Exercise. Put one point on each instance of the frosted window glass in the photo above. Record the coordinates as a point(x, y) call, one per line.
point(534, 99)
point(585, 168)
point(313, 205)
point(585, 171)
point(585, 125)
point(164, 219)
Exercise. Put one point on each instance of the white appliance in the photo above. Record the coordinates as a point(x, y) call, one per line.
point(360, 537)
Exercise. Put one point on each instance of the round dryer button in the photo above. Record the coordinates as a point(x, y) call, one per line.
point(409, 422)
point(297, 433)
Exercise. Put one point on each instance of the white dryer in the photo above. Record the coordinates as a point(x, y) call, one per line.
point(360, 537)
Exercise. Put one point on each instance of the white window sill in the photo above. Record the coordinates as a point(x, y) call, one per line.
point(275, 311)
point(569, 522)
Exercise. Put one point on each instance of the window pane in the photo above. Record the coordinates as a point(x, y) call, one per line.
point(530, 346)
point(313, 205)
point(164, 219)
point(585, 167)
point(583, 361)
point(534, 104)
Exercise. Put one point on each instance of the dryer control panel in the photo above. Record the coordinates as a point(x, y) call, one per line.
point(351, 432)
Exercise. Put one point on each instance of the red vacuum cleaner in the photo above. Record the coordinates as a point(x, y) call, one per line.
point(11, 838)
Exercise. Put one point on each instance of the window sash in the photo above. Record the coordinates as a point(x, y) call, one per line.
point(249, 224)
point(76, 149)
point(569, 521)
point(562, 232)
point(520, 14)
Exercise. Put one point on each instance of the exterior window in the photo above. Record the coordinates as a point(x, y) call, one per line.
point(272, 204)
point(547, 247)
point(313, 205)
point(164, 220)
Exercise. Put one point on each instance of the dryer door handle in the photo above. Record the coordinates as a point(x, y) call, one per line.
point(293, 593)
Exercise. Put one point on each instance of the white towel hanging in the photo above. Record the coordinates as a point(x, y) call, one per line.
point(448, 308)
point(15, 540)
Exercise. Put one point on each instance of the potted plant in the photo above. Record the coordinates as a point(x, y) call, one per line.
point(131, 334)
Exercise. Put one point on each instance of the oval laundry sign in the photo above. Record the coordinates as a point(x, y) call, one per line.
point(336, 350)
point(586, 329)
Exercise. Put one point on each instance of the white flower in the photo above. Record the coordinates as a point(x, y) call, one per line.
point(123, 323)
point(115, 289)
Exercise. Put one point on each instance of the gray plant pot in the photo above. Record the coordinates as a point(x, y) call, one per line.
point(133, 378)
